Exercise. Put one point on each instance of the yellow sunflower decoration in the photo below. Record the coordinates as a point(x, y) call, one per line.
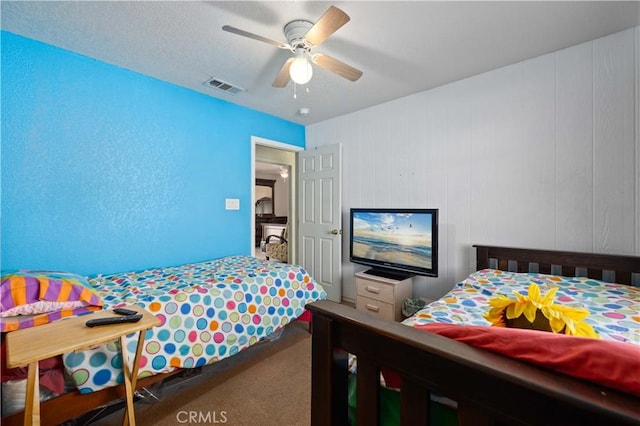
point(538, 312)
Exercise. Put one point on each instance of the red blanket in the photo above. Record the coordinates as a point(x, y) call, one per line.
point(51, 372)
point(608, 363)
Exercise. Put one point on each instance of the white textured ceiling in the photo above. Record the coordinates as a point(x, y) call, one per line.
point(402, 47)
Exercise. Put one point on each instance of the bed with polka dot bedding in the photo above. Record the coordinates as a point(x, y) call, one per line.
point(208, 311)
point(614, 309)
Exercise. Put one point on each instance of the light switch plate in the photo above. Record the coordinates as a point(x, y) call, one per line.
point(232, 204)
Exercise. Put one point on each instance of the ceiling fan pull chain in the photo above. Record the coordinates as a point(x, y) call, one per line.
point(295, 96)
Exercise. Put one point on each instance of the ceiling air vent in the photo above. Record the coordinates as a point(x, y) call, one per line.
point(229, 88)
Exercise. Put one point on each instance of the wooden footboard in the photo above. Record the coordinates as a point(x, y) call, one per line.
point(485, 385)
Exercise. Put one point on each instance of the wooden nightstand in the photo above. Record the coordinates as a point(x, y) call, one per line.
point(382, 296)
point(30, 345)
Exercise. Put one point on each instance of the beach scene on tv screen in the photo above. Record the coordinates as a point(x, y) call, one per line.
point(399, 238)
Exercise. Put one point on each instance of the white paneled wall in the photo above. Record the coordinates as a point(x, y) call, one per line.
point(541, 154)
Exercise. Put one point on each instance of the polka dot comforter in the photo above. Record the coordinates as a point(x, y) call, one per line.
point(208, 311)
point(614, 309)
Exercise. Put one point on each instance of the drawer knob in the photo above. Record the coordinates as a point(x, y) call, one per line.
point(373, 289)
point(373, 308)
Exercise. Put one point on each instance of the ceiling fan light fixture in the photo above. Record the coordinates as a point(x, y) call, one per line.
point(300, 70)
point(284, 172)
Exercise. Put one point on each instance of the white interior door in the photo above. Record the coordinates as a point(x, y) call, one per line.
point(320, 217)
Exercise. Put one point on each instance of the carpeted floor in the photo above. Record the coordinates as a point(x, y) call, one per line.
point(268, 385)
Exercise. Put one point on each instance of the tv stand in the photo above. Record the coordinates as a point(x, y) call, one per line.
point(383, 296)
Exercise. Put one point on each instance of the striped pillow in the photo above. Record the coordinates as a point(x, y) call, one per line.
point(28, 298)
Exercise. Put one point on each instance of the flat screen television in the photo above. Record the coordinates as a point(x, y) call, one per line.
point(396, 243)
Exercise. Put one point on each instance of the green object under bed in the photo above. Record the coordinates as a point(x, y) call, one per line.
point(439, 414)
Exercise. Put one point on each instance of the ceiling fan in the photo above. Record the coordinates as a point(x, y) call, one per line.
point(302, 37)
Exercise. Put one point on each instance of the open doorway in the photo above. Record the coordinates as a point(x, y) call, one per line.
point(271, 209)
point(273, 193)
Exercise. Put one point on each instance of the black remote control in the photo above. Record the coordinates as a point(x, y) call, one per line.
point(124, 311)
point(113, 320)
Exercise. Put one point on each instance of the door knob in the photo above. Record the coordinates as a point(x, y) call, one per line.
point(336, 231)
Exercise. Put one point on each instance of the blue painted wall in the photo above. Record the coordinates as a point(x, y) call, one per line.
point(105, 170)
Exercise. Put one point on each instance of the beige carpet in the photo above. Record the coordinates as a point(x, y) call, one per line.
point(268, 385)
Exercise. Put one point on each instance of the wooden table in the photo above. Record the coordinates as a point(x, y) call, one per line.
point(30, 345)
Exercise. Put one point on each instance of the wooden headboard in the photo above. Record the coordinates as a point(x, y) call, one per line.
point(606, 267)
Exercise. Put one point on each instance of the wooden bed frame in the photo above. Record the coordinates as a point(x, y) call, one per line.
point(486, 386)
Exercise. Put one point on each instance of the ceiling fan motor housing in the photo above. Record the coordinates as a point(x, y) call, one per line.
point(295, 31)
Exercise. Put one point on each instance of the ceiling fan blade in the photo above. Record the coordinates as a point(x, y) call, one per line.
point(328, 24)
point(234, 30)
point(282, 79)
point(336, 66)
